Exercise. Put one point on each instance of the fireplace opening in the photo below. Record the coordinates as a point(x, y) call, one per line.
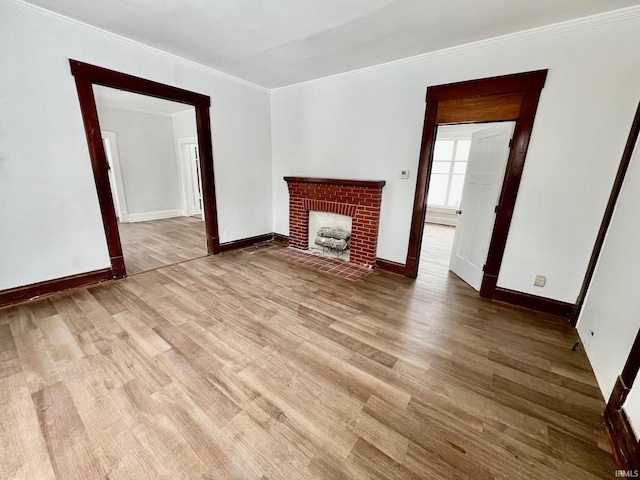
point(330, 234)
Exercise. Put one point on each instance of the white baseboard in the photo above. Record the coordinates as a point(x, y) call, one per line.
point(124, 217)
point(443, 216)
point(145, 217)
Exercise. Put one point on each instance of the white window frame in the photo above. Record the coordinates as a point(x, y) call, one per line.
point(450, 174)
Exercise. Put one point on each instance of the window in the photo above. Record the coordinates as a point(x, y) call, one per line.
point(447, 174)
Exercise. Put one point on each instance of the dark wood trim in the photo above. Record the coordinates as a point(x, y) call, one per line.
point(490, 108)
point(632, 365)
point(389, 266)
point(245, 242)
point(34, 290)
point(626, 448)
point(205, 148)
point(278, 237)
point(114, 79)
point(100, 174)
point(533, 302)
point(510, 186)
point(336, 181)
point(85, 77)
point(529, 86)
point(489, 285)
point(422, 185)
point(625, 445)
point(608, 215)
point(618, 394)
point(518, 82)
point(28, 292)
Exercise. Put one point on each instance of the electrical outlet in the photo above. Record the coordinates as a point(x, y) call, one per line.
point(226, 232)
point(404, 174)
point(540, 281)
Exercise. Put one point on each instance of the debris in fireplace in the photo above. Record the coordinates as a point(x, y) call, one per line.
point(334, 240)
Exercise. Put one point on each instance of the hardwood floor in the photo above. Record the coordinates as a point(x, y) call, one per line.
point(158, 243)
point(244, 366)
point(437, 242)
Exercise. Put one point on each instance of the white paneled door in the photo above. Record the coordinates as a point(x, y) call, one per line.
point(482, 184)
point(110, 143)
point(195, 180)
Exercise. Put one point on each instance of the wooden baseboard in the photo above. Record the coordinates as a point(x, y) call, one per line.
point(29, 292)
point(278, 237)
point(34, 290)
point(625, 445)
point(245, 242)
point(533, 302)
point(389, 266)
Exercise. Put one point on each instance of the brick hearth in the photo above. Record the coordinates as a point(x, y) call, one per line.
point(357, 199)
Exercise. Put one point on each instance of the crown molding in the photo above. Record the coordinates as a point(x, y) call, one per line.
point(521, 36)
point(70, 22)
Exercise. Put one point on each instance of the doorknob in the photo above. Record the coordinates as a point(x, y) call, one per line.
point(459, 212)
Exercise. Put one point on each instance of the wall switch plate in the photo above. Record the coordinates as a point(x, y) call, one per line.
point(540, 281)
point(404, 174)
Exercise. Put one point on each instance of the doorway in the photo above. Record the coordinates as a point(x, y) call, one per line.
point(156, 225)
point(88, 75)
point(191, 176)
point(497, 99)
point(468, 168)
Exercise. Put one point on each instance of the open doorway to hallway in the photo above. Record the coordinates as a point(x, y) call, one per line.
point(154, 175)
point(468, 169)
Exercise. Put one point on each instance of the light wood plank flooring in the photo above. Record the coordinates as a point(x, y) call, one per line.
point(158, 243)
point(245, 366)
point(437, 242)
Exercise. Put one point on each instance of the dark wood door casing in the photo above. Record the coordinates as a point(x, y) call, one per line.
point(510, 97)
point(626, 447)
point(85, 77)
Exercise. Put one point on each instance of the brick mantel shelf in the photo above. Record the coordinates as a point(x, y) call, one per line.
point(358, 199)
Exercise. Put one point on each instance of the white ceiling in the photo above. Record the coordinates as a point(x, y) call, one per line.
point(111, 97)
point(280, 42)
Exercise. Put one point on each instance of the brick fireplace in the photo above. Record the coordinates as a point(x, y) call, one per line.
point(358, 199)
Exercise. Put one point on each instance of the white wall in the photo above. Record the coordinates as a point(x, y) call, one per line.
point(610, 316)
point(368, 125)
point(184, 124)
point(146, 147)
point(365, 124)
point(50, 224)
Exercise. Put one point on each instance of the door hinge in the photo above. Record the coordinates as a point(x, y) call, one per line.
point(495, 210)
point(484, 266)
point(510, 142)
